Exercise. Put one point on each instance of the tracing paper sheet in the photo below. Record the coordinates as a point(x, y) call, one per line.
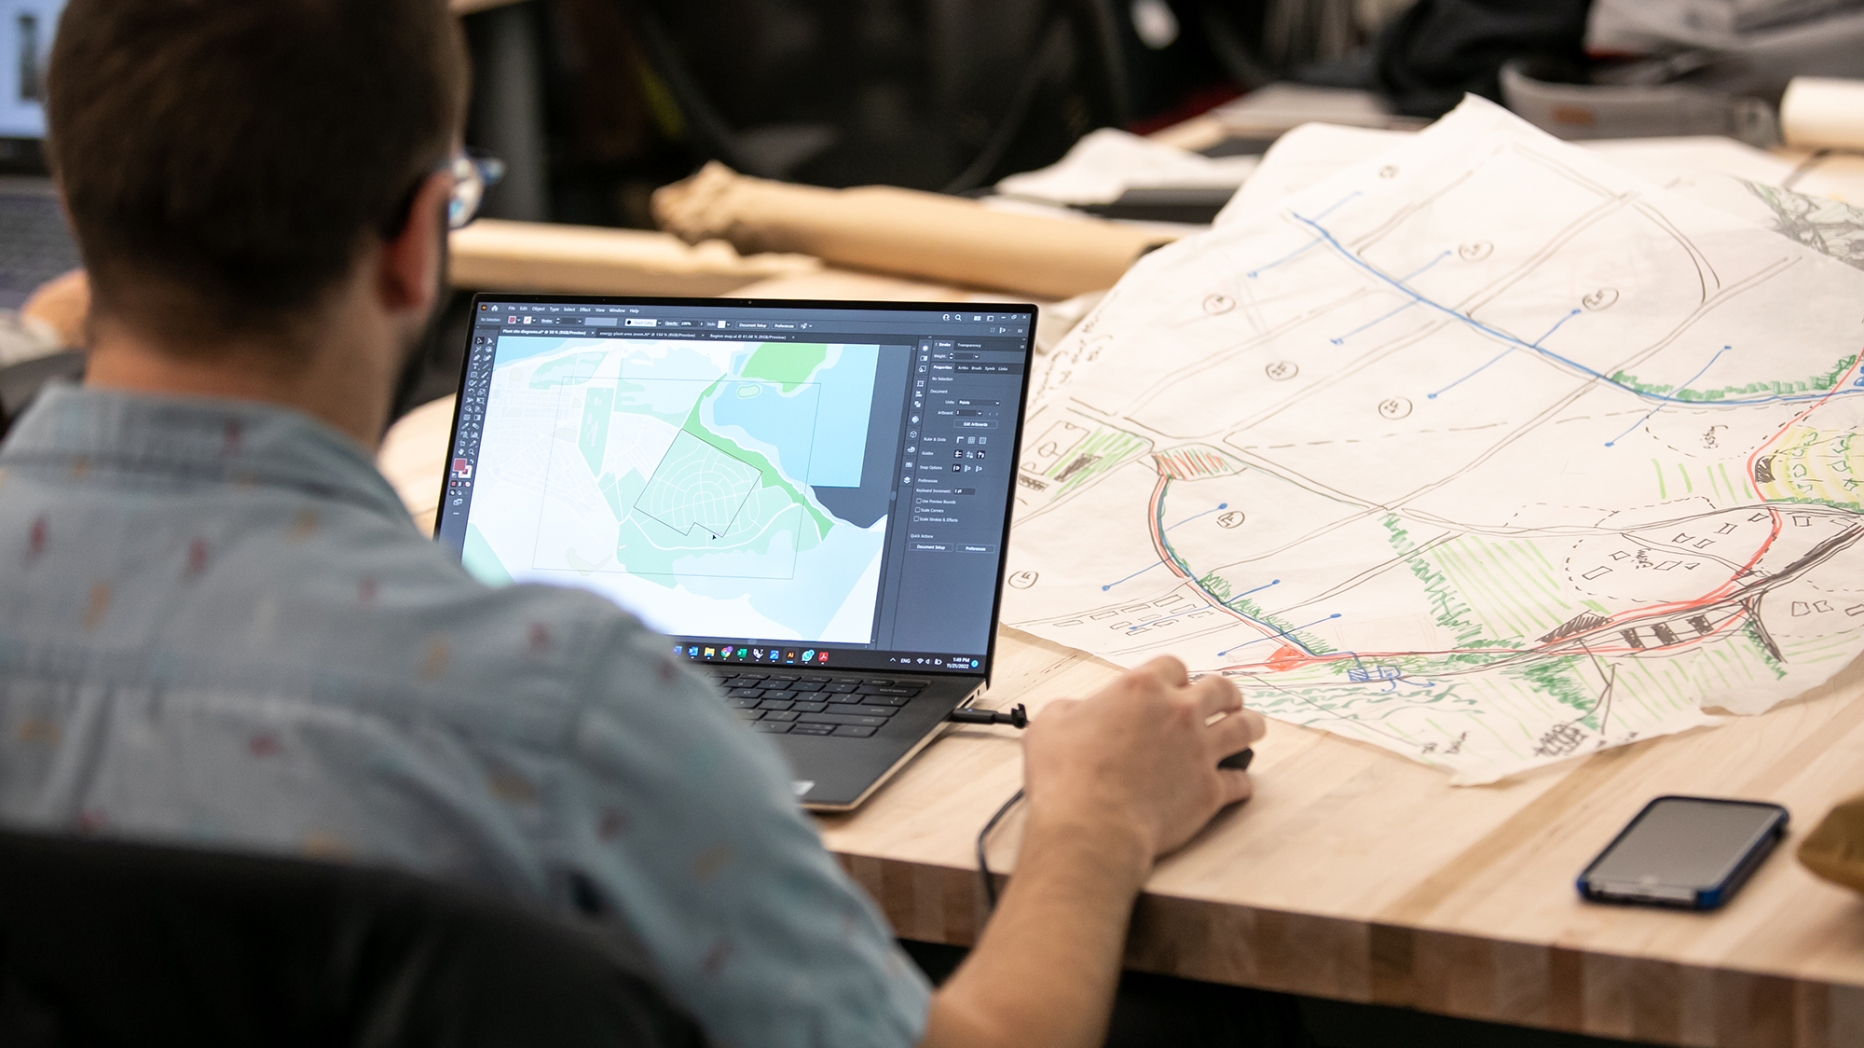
point(1482, 450)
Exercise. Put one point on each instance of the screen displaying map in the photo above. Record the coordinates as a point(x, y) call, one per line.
point(679, 478)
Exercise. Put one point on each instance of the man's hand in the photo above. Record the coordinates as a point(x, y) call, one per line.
point(1141, 756)
point(1113, 781)
point(63, 305)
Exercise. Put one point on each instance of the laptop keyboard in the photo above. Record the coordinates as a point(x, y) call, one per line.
point(34, 244)
point(804, 704)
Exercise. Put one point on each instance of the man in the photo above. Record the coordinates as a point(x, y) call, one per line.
point(218, 625)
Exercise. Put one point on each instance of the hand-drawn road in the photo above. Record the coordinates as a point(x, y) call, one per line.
point(1498, 456)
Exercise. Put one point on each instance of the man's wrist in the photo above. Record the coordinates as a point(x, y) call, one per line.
point(1120, 847)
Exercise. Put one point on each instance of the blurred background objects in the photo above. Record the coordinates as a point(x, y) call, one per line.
point(597, 102)
point(1147, 111)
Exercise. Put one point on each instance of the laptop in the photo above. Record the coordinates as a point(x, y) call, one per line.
point(810, 499)
point(35, 244)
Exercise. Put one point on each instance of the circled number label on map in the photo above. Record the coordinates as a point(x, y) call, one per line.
point(1603, 298)
point(1282, 370)
point(1024, 579)
point(1475, 251)
point(1232, 519)
point(1394, 408)
point(1216, 304)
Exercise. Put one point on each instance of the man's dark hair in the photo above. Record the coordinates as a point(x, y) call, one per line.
point(225, 161)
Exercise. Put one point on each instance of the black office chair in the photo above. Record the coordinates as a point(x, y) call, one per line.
point(106, 944)
point(836, 93)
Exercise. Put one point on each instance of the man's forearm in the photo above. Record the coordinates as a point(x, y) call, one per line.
point(1044, 971)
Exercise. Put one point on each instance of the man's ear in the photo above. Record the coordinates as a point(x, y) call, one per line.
point(411, 262)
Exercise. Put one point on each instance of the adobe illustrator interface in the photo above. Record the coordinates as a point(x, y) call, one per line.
point(788, 486)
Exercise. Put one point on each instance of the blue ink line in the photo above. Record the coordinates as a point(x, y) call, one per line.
point(1427, 265)
point(1284, 634)
point(1503, 353)
point(1679, 389)
point(1246, 593)
point(1554, 328)
point(1342, 203)
point(1503, 336)
point(1133, 576)
point(1472, 374)
point(1613, 442)
point(1374, 323)
point(1221, 506)
point(1252, 274)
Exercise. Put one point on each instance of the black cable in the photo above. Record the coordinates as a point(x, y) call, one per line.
point(1016, 717)
point(983, 860)
point(1051, 55)
point(708, 126)
point(1238, 761)
point(1105, 26)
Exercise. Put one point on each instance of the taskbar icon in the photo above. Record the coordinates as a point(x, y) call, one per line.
point(730, 653)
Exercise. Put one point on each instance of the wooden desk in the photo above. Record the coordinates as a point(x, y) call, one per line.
point(1360, 876)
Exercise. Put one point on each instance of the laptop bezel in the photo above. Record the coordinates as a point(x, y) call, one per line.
point(1022, 409)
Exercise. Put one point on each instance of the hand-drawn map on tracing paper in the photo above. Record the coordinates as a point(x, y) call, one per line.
point(1483, 451)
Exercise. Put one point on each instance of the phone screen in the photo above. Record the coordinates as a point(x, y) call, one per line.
point(1683, 845)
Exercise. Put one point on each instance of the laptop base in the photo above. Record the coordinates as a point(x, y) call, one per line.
point(836, 772)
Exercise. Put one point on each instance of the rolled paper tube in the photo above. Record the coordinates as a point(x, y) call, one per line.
point(904, 232)
point(561, 259)
point(1823, 113)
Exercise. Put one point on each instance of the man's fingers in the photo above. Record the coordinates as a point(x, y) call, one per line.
point(1236, 732)
point(1215, 694)
point(1168, 670)
point(1236, 786)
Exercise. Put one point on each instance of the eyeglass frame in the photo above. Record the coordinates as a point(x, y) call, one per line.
point(473, 173)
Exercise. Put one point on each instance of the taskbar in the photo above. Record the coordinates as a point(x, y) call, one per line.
point(750, 653)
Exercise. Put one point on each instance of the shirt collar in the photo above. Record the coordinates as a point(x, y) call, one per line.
point(101, 433)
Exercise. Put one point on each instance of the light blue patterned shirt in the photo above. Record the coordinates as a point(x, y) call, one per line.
point(218, 625)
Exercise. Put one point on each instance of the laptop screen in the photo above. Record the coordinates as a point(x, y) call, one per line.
point(25, 48)
point(777, 483)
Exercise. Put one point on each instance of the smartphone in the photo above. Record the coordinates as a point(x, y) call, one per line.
point(1691, 853)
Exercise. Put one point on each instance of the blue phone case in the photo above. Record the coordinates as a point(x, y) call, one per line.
point(1709, 898)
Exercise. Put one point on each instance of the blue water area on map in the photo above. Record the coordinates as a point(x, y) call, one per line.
point(513, 348)
point(784, 421)
point(841, 427)
point(826, 447)
point(820, 429)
